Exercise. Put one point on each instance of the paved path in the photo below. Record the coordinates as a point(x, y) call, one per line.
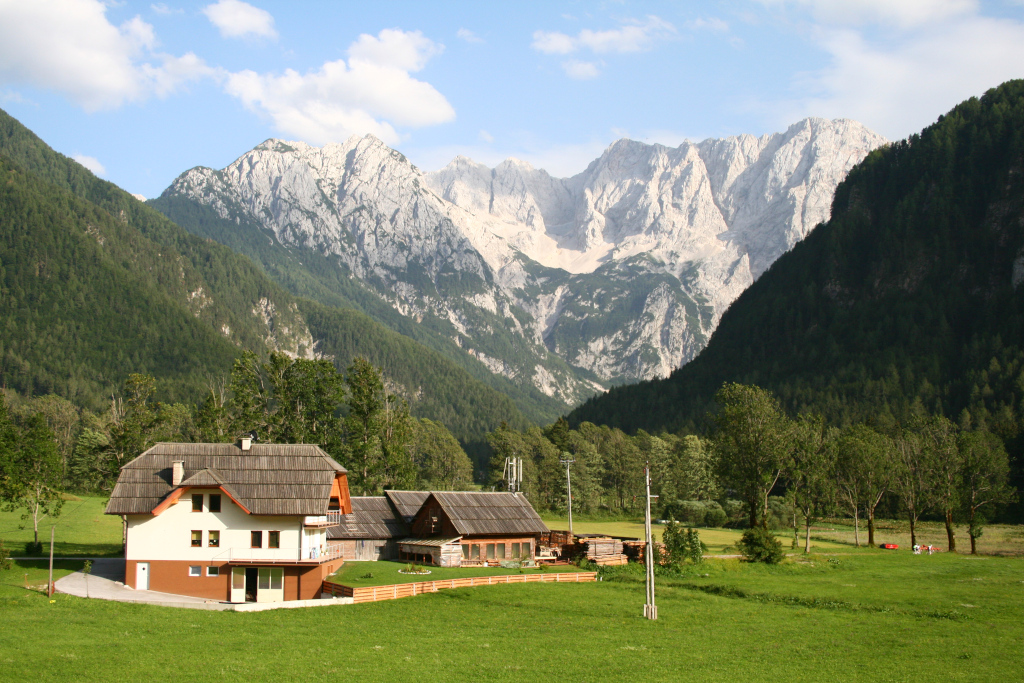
point(105, 583)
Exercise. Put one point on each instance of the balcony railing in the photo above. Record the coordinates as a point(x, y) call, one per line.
point(330, 519)
point(281, 555)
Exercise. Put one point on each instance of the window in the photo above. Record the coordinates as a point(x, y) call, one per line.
point(197, 502)
point(527, 551)
point(214, 502)
point(474, 552)
point(515, 551)
point(257, 539)
point(490, 551)
point(273, 539)
point(213, 571)
point(276, 579)
point(264, 578)
point(465, 551)
point(501, 551)
point(197, 539)
point(195, 570)
point(214, 538)
point(334, 503)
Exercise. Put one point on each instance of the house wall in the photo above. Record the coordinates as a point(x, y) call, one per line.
point(170, 576)
point(363, 550)
point(507, 541)
point(168, 536)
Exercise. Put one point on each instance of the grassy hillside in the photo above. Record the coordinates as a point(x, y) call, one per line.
point(910, 292)
point(95, 285)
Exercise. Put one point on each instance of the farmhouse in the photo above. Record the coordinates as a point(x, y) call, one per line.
point(238, 522)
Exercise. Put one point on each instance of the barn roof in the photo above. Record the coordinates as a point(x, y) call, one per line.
point(372, 517)
point(407, 503)
point(268, 479)
point(477, 512)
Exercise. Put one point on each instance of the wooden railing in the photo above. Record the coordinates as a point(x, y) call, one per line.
point(408, 590)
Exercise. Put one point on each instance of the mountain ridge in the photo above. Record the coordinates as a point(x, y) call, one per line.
point(475, 255)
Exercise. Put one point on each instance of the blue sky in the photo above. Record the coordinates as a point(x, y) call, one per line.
point(141, 91)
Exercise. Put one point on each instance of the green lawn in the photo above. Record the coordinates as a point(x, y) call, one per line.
point(82, 530)
point(385, 573)
point(717, 540)
point(869, 616)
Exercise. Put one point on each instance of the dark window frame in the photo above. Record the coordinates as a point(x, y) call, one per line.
point(197, 497)
point(255, 539)
point(214, 498)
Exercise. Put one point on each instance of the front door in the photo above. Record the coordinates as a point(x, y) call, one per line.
point(238, 584)
point(252, 575)
point(142, 576)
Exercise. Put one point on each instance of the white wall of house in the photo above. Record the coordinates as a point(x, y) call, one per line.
point(168, 536)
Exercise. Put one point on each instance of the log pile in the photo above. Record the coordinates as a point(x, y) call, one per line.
point(604, 550)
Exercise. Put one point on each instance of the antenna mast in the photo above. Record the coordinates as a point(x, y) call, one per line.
point(650, 609)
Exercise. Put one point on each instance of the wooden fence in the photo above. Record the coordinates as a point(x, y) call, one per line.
point(408, 590)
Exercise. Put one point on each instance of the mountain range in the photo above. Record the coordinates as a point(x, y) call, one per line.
point(555, 288)
point(908, 298)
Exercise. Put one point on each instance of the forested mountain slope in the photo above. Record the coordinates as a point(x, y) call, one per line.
point(911, 291)
point(95, 285)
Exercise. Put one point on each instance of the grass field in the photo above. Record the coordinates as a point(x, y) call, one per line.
point(82, 530)
point(384, 573)
point(997, 539)
point(867, 616)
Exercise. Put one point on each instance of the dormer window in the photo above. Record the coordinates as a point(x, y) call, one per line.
point(334, 504)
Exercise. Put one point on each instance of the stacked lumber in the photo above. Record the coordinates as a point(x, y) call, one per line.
point(604, 550)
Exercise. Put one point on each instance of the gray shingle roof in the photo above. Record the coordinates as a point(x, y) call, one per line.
point(407, 503)
point(268, 479)
point(476, 512)
point(372, 517)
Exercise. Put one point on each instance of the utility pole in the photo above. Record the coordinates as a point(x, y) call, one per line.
point(650, 609)
point(49, 589)
point(566, 460)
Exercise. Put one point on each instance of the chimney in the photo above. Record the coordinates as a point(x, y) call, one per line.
point(177, 472)
point(245, 443)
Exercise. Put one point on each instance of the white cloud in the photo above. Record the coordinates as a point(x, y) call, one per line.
point(634, 36)
point(70, 47)
point(486, 137)
point(237, 19)
point(713, 24)
point(469, 36)
point(899, 13)
point(581, 71)
point(371, 93)
point(91, 163)
point(162, 8)
point(899, 86)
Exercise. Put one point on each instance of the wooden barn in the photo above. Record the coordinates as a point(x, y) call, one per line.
point(370, 531)
point(488, 527)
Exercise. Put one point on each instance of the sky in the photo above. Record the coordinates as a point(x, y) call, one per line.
point(141, 91)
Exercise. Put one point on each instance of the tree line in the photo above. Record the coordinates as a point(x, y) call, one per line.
point(757, 466)
point(49, 446)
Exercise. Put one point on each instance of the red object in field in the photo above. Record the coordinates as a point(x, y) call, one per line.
point(889, 546)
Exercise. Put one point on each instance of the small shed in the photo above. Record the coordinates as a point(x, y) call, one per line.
point(369, 532)
point(443, 552)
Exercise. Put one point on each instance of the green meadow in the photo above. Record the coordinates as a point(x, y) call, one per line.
point(837, 614)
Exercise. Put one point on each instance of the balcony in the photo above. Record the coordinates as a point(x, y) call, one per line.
point(332, 518)
point(280, 555)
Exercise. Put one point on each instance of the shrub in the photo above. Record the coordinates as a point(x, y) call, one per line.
point(682, 544)
point(716, 516)
point(34, 548)
point(760, 545)
point(694, 548)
